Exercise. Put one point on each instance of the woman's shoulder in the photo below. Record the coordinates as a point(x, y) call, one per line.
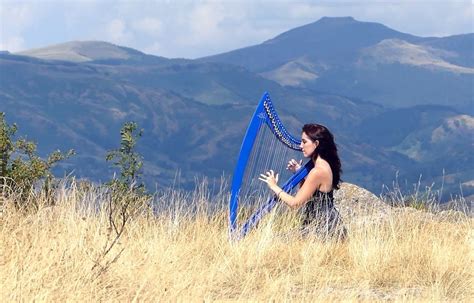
point(322, 168)
point(322, 176)
point(318, 172)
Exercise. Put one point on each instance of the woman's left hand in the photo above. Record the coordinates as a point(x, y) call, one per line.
point(270, 178)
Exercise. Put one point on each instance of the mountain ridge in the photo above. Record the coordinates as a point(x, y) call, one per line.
point(194, 112)
point(337, 57)
point(92, 51)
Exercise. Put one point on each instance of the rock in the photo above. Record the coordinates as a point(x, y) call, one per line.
point(359, 206)
point(355, 202)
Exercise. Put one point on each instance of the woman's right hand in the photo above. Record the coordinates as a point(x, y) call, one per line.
point(294, 165)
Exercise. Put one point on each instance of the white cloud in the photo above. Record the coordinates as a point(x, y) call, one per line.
point(215, 27)
point(147, 25)
point(16, 16)
point(12, 44)
point(116, 31)
point(204, 21)
point(198, 28)
point(305, 11)
point(15, 19)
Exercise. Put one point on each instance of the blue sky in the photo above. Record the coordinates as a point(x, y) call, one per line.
point(193, 29)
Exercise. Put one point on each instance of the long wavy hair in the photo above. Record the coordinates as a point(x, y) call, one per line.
point(326, 149)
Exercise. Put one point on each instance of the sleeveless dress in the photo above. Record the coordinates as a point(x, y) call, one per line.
point(321, 218)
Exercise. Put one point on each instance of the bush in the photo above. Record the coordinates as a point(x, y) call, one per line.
point(127, 194)
point(21, 169)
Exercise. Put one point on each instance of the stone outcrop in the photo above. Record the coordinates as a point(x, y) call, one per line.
point(358, 205)
point(353, 202)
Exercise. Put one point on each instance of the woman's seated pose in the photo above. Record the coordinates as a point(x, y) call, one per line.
point(321, 218)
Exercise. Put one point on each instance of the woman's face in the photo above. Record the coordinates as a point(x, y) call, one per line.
point(307, 145)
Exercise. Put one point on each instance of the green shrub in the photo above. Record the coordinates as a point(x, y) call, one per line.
point(127, 160)
point(21, 169)
point(127, 194)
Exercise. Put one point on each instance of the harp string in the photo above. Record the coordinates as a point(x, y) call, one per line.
point(267, 153)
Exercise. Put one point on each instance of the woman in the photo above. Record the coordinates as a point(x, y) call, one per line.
point(316, 191)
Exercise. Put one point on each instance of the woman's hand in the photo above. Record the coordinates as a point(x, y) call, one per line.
point(270, 178)
point(293, 165)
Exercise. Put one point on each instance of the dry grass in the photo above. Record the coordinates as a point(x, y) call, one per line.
point(406, 256)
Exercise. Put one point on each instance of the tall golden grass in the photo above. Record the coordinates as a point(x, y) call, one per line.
point(56, 254)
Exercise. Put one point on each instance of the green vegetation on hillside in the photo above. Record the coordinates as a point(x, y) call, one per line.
point(20, 166)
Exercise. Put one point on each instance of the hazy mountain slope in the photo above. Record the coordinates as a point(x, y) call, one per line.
point(449, 138)
point(208, 83)
point(330, 41)
point(80, 107)
point(393, 126)
point(460, 48)
point(98, 51)
point(393, 51)
point(366, 60)
point(438, 140)
point(83, 106)
point(195, 112)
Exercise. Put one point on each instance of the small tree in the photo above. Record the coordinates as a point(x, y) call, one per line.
point(127, 192)
point(20, 166)
point(128, 160)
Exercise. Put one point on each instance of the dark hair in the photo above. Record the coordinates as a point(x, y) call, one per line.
point(326, 149)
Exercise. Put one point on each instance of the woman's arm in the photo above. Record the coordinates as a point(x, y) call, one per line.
point(305, 192)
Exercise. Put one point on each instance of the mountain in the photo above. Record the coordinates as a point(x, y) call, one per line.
point(365, 60)
point(88, 51)
point(394, 125)
point(439, 141)
point(329, 41)
point(194, 112)
point(458, 48)
point(82, 106)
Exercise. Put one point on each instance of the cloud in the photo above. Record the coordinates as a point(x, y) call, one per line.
point(215, 27)
point(16, 16)
point(198, 28)
point(15, 19)
point(147, 25)
point(305, 11)
point(12, 44)
point(116, 31)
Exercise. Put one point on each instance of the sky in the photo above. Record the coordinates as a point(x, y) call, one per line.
point(193, 29)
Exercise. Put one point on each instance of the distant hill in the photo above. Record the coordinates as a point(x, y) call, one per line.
point(82, 106)
point(88, 51)
point(459, 48)
point(329, 41)
point(195, 112)
point(366, 60)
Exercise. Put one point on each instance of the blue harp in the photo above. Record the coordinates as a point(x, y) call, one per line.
point(266, 145)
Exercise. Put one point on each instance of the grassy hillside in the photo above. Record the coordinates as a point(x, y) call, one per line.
point(57, 254)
